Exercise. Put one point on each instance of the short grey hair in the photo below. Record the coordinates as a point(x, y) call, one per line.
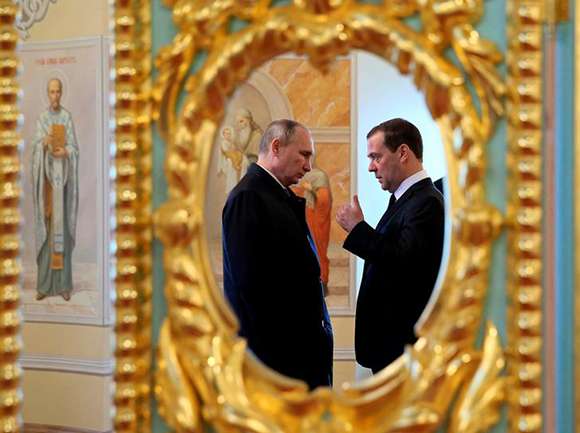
point(284, 129)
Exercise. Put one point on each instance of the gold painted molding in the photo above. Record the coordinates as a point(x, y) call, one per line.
point(524, 215)
point(132, 134)
point(204, 370)
point(10, 222)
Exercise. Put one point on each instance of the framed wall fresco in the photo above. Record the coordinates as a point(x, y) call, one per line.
point(67, 196)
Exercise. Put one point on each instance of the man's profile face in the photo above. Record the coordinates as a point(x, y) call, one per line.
point(294, 159)
point(54, 94)
point(384, 163)
point(243, 121)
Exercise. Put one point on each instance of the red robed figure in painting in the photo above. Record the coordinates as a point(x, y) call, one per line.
point(315, 188)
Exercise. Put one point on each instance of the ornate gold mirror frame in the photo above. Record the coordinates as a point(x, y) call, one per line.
point(204, 370)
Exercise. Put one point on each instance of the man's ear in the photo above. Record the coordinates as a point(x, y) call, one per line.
point(275, 146)
point(404, 152)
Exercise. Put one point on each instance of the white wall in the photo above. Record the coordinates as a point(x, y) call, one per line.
point(382, 94)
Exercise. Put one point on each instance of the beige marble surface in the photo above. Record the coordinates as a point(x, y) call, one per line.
point(318, 100)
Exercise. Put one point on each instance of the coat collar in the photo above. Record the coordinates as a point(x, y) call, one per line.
point(271, 183)
point(408, 194)
point(296, 204)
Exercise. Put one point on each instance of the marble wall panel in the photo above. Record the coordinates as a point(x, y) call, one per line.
point(318, 100)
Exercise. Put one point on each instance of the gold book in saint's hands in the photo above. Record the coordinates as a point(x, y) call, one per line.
point(59, 136)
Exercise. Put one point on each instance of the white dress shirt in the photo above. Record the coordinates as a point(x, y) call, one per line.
point(409, 182)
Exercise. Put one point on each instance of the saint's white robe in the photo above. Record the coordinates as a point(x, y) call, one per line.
point(62, 174)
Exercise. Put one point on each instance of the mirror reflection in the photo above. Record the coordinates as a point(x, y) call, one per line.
point(308, 225)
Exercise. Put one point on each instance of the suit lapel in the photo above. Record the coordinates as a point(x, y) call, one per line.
point(297, 206)
point(294, 204)
point(399, 203)
point(387, 215)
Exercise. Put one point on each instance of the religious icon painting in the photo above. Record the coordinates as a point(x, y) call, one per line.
point(277, 90)
point(66, 181)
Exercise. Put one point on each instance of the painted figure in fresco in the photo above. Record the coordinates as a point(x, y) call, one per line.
point(55, 190)
point(403, 254)
point(232, 162)
point(271, 270)
point(248, 135)
point(315, 188)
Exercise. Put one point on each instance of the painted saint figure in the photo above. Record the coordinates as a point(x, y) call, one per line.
point(55, 157)
point(248, 135)
point(315, 188)
point(232, 163)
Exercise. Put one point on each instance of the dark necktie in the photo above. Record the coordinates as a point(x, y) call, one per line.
point(392, 201)
point(286, 192)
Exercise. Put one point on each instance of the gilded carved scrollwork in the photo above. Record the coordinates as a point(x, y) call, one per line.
point(10, 222)
point(133, 215)
point(204, 371)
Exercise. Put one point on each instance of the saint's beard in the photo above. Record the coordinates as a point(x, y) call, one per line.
point(243, 137)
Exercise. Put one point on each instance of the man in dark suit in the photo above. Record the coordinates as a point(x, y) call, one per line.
point(402, 255)
point(271, 269)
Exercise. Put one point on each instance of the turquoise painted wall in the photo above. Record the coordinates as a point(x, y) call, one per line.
point(564, 123)
point(163, 32)
point(495, 182)
point(495, 307)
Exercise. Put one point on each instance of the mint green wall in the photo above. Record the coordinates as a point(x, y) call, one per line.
point(495, 307)
point(495, 181)
point(163, 31)
point(564, 123)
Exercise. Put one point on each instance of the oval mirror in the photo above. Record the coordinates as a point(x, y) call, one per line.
point(339, 108)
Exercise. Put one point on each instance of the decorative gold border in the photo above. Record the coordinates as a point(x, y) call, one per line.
point(10, 222)
point(524, 215)
point(132, 48)
point(204, 371)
